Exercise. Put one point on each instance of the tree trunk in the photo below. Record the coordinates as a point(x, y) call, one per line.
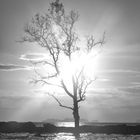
point(75, 108)
point(76, 115)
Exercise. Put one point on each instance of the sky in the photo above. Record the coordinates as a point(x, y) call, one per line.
point(114, 96)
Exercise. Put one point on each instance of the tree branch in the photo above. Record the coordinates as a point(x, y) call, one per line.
point(83, 88)
point(92, 43)
point(66, 90)
point(42, 62)
point(58, 101)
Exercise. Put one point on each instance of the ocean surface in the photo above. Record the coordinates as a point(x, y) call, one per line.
point(71, 124)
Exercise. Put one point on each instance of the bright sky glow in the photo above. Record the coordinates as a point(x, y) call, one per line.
point(114, 96)
point(80, 61)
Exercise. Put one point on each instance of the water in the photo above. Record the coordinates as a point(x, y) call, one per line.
point(67, 136)
point(71, 124)
point(66, 124)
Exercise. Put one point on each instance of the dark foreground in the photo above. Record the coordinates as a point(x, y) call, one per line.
point(67, 136)
point(29, 131)
point(29, 127)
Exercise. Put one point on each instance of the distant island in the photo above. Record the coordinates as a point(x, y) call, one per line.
point(64, 120)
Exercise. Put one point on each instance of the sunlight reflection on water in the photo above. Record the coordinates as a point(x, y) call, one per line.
point(85, 136)
point(90, 136)
point(66, 124)
point(67, 136)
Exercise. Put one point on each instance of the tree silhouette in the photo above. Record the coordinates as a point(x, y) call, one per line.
point(55, 31)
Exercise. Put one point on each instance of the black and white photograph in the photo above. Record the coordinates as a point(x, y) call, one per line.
point(69, 69)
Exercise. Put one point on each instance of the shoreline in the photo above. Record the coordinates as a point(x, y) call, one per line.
point(30, 127)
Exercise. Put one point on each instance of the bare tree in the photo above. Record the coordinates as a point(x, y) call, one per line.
point(55, 31)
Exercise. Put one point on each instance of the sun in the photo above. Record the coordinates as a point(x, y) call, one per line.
point(69, 68)
point(87, 63)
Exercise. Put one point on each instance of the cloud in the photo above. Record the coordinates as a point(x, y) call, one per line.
point(113, 98)
point(127, 92)
point(120, 71)
point(131, 107)
point(136, 84)
point(133, 89)
point(13, 67)
point(33, 56)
